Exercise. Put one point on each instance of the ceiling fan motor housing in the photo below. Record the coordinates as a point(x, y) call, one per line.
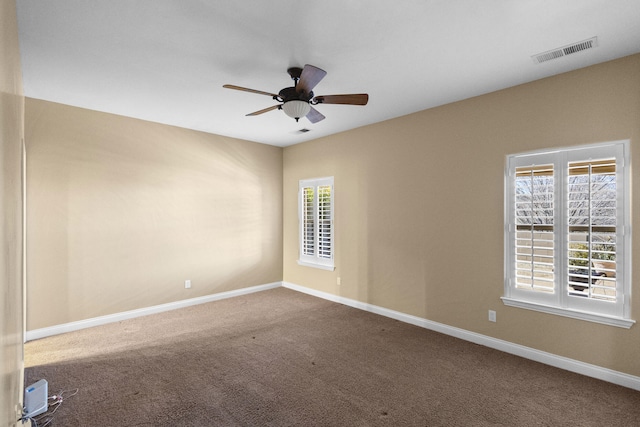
point(289, 94)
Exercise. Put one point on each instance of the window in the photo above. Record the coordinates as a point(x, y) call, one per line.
point(567, 232)
point(315, 205)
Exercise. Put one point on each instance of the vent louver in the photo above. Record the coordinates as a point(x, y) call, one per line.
point(565, 50)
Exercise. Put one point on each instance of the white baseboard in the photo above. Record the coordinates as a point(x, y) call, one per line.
point(565, 363)
point(116, 317)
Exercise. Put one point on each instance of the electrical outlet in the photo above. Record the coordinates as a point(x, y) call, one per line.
point(492, 316)
point(338, 281)
point(187, 284)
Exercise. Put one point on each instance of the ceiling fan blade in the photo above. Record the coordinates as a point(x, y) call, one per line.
point(264, 110)
point(351, 99)
point(314, 115)
point(245, 89)
point(309, 78)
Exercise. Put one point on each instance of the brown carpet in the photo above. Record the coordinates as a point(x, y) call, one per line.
point(282, 358)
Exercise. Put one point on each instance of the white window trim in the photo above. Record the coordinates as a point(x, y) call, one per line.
point(568, 312)
point(557, 303)
point(315, 265)
point(307, 260)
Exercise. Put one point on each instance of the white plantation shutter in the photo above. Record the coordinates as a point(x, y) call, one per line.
point(316, 223)
point(567, 239)
point(325, 222)
point(308, 221)
point(591, 228)
point(534, 219)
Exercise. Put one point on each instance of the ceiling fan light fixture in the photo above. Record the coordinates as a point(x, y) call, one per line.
point(296, 108)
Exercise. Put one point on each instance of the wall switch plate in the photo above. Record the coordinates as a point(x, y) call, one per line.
point(492, 316)
point(187, 284)
point(338, 281)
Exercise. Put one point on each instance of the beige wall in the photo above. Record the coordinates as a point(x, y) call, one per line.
point(122, 211)
point(11, 133)
point(419, 206)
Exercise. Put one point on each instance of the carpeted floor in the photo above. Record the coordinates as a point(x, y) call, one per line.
point(282, 358)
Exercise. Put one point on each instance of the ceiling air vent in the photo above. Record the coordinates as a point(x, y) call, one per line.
point(303, 130)
point(565, 50)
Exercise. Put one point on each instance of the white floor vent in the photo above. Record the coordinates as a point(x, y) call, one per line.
point(565, 50)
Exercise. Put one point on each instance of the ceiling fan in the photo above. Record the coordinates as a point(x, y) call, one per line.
point(298, 101)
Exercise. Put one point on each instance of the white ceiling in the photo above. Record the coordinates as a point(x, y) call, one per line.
point(166, 60)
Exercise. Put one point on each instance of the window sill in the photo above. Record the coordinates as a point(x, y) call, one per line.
point(314, 265)
point(574, 314)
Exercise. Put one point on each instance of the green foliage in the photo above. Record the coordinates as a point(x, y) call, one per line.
point(604, 251)
point(579, 253)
